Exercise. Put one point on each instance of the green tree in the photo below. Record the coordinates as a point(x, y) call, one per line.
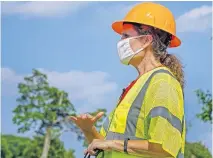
point(15, 145)
point(22, 147)
point(196, 150)
point(5, 152)
point(56, 150)
point(206, 100)
point(42, 108)
point(69, 154)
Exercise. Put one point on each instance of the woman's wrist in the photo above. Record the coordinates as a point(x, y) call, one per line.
point(89, 130)
point(116, 145)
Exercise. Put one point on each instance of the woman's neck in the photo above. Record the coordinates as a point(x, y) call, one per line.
point(147, 64)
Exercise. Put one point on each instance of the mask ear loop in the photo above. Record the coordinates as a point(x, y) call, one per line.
point(148, 38)
point(142, 48)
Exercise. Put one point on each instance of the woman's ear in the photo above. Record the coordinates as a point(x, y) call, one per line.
point(147, 40)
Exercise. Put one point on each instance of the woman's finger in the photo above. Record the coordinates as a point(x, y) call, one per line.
point(73, 118)
point(80, 116)
point(84, 116)
point(90, 149)
point(91, 152)
point(98, 116)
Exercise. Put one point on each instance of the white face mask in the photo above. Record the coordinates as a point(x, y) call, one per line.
point(125, 51)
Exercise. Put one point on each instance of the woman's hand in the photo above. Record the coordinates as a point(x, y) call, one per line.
point(86, 121)
point(99, 144)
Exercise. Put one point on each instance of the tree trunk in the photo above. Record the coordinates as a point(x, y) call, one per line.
point(46, 146)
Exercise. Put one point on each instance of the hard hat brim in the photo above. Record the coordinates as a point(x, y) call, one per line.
point(117, 26)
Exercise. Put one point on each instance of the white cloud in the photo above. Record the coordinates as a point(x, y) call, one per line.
point(42, 9)
point(10, 75)
point(196, 20)
point(88, 87)
point(10, 81)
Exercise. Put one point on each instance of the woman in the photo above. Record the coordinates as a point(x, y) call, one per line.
point(148, 120)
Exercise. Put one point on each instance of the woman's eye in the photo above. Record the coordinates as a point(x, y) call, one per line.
point(125, 36)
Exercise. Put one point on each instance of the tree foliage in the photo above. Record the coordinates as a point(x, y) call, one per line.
point(206, 100)
point(38, 105)
point(5, 151)
point(69, 153)
point(196, 150)
point(22, 147)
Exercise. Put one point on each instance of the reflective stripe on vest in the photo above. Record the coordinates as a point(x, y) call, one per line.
point(164, 112)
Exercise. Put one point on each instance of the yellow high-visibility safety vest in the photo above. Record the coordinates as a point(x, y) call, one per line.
point(153, 110)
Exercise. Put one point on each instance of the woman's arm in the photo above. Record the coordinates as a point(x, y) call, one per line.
point(134, 147)
point(139, 147)
point(92, 134)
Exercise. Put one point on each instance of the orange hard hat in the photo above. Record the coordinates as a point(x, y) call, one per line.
point(151, 14)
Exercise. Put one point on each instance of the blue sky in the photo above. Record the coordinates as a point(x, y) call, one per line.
point(73, 43)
